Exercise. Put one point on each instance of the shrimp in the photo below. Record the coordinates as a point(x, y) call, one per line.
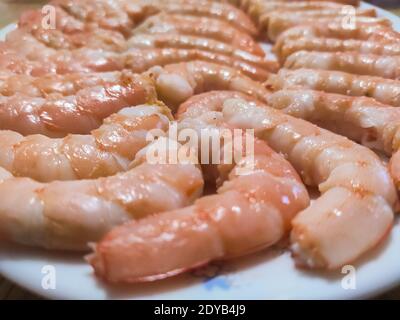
point(355, 210)
point(336, 45)
point(80, 113)
point(178, 82)
point(383, 90)
point(193, 42)
point(201, 27)
point(362, 119)
point(246, 4)
point(375, 33)
point(66, 215)
point(353, 62)
point(279, 22)
point(248, 213)
point(221, 11)
point(106, 151)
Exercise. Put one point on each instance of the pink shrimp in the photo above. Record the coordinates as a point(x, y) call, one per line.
point(248, 213)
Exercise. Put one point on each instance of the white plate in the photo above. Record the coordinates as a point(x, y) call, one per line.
point(268, 275)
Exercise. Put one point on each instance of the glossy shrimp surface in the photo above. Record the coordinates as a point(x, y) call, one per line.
point(358, 194)
point(249, 212)
point(353, 62)
point(105, 152)
point(383, 90)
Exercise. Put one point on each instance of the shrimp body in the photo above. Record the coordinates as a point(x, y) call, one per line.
point(336, 45)
point(80, 113)
point(352, 62)
point(105, 152)
point(357, 191)
point(66, 215)
point(177, 82)
point(248, 213)
point(201, 27)
point(383, 90)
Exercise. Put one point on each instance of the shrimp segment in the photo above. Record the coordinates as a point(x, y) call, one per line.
point(201, 27)
point(357, 191)
point(105, 152)
point(178, 82)
point(352, 62)
point(79, 113)
point(248, 213)
point(383, 90)
point(66, 215)
point(336, 45)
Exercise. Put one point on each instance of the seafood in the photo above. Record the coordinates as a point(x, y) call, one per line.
point(193, 42)
point(375, 33)
point(355, 210)
point(201, 27)
point(278, 23)
point(66, 215)
point(336, 45)
point(248, 213)
point(80, 113)
point(352, 62)
point(105, 152)
point(383, 90)
point(177, 82)
point(246, 4)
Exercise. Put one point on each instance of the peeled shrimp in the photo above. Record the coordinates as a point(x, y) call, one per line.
point(279, 22)
point(66, 215)
point(202, 27)
point(106, 151)
point(376, 33)
point(221, 11)
point(193, 42)
point(245, 4)
point(383, 90)
point(336, 45)
point(354, 212)
point(80, 113)
point(177, 82)
point(352, 62)
point(248, 213)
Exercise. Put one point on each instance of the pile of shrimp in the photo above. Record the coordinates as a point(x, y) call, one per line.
point(80, 103)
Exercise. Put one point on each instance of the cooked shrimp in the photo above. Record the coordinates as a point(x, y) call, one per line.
point(383, 90)
point(336, 45)
point(354, 212)
point(201, 27)
point(278, 23)
point(80, 113)
point(178, 82)
point(248, 213)
point(106, 151)
point(193, 42)
point(245, 4)
point(376, 33)
point(222, 11)
point(352, 62)
point(362, 119)
point(66, 215)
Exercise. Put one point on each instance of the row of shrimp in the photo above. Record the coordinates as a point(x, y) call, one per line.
point(75, 169)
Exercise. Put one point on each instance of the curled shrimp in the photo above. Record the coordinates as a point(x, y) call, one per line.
point(383, 90)
point(177, 82)
point(337, 45)
point(66, 215)
point(105, 152)
point(248, 213)
point(222, 11)
point(279, 22)
point(375, 33)
point(202, 27)
point(358, 194)
point(352, 62)
point(80, 113)
point(193, 42)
